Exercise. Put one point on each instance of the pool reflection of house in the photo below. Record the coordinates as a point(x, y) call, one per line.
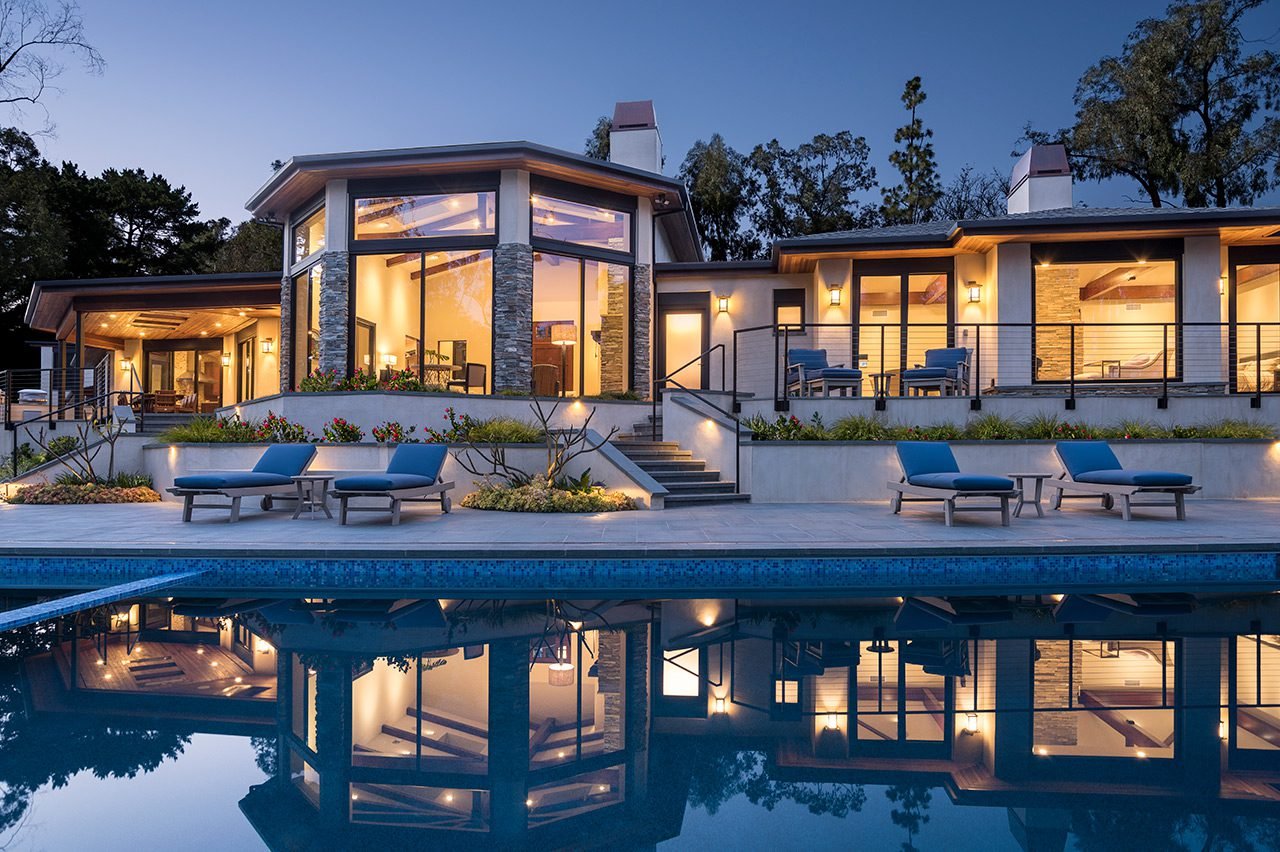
point(566, 723)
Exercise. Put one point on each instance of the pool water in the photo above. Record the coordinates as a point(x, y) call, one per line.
point(194, 722)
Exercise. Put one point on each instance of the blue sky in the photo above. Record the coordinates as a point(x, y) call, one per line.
point(209, 93)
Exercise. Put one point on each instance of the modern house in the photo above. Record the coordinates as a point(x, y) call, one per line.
point(513, 267)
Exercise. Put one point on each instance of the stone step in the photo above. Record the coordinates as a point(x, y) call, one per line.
point(675, 501)
point(671, 464)
point(667, 477)
point(657, 455)
point(644, 445)
point(705, 487)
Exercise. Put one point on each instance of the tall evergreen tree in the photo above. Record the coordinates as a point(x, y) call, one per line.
point(597, 147)
point(721, 192)
point(252, 247)
point(912, 201)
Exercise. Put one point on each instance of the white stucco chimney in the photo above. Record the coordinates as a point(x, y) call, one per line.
point(1041, 180)
point(634, 140)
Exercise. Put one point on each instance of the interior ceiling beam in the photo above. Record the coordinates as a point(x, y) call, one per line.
point(1251, 276)
point(1109, 281)
point(447, 265)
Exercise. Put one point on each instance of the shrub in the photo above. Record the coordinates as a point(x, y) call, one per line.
point(787, 428)
point(391, 432)
point(118, 480)
point(210, 430)
point(339, 431)
point(28, 458)
point(616, 395)
point(503, 430)
point(320, 381)
point(66, 494)
point(63, 445)
point(538, 498)
point(862, 428)
point(993, 427)
point(277, 429)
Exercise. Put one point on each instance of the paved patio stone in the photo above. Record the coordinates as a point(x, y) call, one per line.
point(824, 528)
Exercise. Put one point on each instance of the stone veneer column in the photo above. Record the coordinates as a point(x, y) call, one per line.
point(642, 335)
point(1057, 294)
point(1053, 689)
point(512, 317)
point(508, 739)
point(334, 313)
point(285, 354)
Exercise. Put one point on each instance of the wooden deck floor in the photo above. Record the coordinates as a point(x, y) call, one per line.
point(167, 668)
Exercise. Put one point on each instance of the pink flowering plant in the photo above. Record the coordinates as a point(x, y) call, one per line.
point(391, 432)
point(340, 431)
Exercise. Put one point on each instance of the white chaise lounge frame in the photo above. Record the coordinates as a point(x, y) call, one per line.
point(948, 497)
point(435, 492)
point(1109, 493)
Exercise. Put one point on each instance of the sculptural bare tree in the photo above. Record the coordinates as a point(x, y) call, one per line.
point(33, 34)
point(488, 461)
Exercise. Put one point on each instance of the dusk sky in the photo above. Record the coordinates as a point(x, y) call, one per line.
point(208, 94)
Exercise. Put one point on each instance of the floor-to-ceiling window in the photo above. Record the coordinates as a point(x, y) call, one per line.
point(423, 285)
point(904, 310)
point(306, 323)
point(1106, 311)
point(582, 264)
point(1255, 310)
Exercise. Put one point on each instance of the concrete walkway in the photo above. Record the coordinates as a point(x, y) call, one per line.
point(826, 529)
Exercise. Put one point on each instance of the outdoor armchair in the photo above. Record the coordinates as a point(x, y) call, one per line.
point(943, 370)
point(808, 371)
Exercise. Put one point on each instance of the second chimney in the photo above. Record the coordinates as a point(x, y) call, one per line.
point(1041, 180)
point(633, 138)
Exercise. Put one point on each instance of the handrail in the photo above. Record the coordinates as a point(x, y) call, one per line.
point(93, 402)
point(669, 378)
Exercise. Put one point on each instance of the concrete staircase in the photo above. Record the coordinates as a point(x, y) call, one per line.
point(154, 424)
point(687, 480)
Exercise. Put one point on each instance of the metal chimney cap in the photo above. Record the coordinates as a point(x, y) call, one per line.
point(634, 115)
point(1040, 161)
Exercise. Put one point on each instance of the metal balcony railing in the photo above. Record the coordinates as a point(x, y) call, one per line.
point(1056, 359)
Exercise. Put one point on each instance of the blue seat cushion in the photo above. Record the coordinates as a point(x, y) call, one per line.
point(920, 457)
point(1145, 478)
point(949, 359)
point(833, 373)
point(382, 482)
point(1080, 457)
point(285, 459)
point(219, 480)
point(419, 460)
point(927, 373)
point(962, 481)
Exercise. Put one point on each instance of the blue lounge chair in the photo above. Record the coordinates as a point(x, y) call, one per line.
point(271, 477)
point(1093, 469)
point(930, 474)
point(943, 370)
point(413, 475)
point(807, 371)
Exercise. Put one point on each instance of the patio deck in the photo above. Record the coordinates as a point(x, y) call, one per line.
point(789, 531)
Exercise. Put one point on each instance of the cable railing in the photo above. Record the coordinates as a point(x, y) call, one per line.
point(94, 409)
point(58, 392)
point(978, 360)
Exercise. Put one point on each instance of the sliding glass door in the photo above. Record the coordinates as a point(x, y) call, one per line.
point(904, 309)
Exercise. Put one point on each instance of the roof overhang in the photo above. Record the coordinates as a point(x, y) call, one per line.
point(54, 303)
point(1234, 226)
point(302, 178)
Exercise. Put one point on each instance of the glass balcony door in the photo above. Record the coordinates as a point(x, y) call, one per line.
point(903, 311)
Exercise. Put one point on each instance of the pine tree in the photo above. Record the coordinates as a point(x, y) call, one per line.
point(912, 201)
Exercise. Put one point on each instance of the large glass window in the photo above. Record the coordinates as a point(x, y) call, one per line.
point(584, 224)
point(581, 326)
point(1105, 321)
point(308, 236)
point(1107, 698)
point(306, 324)
point(900, 317)
point(577, 689)
point(464, 214)
point(1257, 331)
point(430, 313)
point(1257, 704)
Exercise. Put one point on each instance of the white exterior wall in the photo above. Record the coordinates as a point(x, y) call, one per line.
point(1013, 298)
point(513, 207)
point(750, 306)
point(1204, 356)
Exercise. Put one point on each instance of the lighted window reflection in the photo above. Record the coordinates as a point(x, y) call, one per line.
point(400, 216)
point(308, 236)
point(584, 224)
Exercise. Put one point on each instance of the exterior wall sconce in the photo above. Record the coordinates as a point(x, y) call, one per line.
point(718, 707)
point(126, 363)
point(226, 359)
point(971, 723)
point(1222, 729)
point(268, 343)
point(833, 722)
point(835, 296)
point(722, 304)
point(975, 292)
point(1222, 286)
